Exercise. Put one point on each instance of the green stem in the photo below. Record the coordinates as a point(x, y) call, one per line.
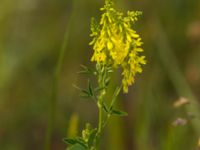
point(103, 75)
point(101, 72)
point(100, 118)
point(100, 121)
point(53, 100)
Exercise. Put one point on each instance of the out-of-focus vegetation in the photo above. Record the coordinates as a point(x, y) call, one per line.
point(31, 35)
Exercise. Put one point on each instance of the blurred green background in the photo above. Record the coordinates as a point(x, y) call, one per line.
point(31, 35)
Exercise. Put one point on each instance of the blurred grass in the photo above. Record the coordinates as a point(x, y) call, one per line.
point(31, 34)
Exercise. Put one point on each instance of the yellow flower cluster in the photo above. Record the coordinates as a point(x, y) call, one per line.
point(116, 44)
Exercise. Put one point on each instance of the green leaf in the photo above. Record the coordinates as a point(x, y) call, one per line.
point(76, 147)
point(92, 137)
point(85, 94)
point(98, 89)
point(70, 141)
point(76, 87)
point(107, 81)
point(74, 141)
point(85, 70)
point(109, 69)
point(90, 89)
point(88, 93)
point(102, 69)
point(118, 112)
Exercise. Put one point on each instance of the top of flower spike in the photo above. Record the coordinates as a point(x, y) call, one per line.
point(116, 44)
point(108, 4)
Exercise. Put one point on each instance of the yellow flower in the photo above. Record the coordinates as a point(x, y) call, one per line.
point(99, 57)
point(116, 44)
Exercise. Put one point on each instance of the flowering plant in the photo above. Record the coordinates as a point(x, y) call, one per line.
point(116, 45)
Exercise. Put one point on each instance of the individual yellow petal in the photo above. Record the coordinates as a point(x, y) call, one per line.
point(128, 37)
point(135, 35)
point(109, 45)
point(139, 49)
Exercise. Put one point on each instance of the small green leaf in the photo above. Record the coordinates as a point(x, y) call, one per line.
point(85, 94)
point(92, 137)
point(85, 70)
point(109, 69)
point(69, 141)
point(74, 141)
point(98, 89)
point(76, 87)
point(76, 147)
point(119, 112)
point(90, 89)
point(107, 81)
point(102, 69)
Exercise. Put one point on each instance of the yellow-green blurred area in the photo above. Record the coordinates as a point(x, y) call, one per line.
point(31, 35)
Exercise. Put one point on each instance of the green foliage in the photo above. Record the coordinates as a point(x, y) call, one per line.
point(76, 147)
point(118, 112)
point(86, 70)
point(86, 142)
point(90, 136)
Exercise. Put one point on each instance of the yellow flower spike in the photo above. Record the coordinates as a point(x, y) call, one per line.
point(116, 44)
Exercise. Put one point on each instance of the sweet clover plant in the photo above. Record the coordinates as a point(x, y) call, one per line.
point(116, 46)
